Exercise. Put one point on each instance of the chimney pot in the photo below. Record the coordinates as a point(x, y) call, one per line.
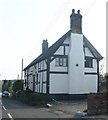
point(73, 10)
point(78, 11)
point(44, 45)
point(76, 22)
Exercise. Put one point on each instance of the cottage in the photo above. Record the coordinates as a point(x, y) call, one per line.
point(69, 67)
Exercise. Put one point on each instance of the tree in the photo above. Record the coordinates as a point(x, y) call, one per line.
point(5, 85)
point(18, 85)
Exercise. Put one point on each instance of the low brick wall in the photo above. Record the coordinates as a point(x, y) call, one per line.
point(97, 104)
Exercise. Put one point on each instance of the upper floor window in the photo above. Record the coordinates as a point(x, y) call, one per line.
point(25, 72)
point(61, 61)
point(88, 62)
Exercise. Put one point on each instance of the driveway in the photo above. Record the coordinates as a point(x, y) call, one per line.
point(68, 109)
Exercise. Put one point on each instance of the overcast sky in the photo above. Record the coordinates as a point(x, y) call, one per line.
point(24, 24)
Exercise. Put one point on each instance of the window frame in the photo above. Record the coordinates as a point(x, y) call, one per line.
point(88, 62)
point(61, 61)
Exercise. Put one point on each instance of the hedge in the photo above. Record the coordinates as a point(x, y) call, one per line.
point(32, 98)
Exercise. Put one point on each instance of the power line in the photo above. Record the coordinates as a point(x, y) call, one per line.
point(89, 8)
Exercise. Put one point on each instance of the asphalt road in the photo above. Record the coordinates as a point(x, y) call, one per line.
point(15, 109)
point(0, 108)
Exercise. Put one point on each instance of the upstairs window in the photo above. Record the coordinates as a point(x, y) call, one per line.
point(61, 61)
point(88, 62)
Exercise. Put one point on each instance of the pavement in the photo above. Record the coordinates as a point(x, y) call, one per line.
point(68, 109)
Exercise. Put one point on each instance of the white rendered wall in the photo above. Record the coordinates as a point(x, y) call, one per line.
point(76, 64)
point(88, 53)
point(58, 83)
point(90, 83)
point(30, 79)
point(59, 51)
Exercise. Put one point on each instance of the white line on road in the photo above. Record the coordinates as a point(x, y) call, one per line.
point(4, 108)
point(10, 116)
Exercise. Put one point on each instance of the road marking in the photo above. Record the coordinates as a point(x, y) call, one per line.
point(4, 108)
point(10, 116)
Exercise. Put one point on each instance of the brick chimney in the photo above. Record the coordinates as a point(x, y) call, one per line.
point(76, 22)
point(44, 45)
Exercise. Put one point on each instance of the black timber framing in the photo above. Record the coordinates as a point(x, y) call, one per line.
point(98, 88)
point(91, 73)
point(42, 77)
point(27, 81)
point(48, 75)
point(58, 72)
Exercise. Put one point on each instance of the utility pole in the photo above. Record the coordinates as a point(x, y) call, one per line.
point(18, 77)
point(22, 69)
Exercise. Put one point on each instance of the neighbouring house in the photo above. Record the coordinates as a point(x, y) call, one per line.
point(69, 67)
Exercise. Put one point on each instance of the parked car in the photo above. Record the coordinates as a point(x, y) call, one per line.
point(5, 93)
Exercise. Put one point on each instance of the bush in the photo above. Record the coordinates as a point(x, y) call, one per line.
point(38, 99)
point(13, 95)
point(18, 85)
point(28, 91)
point(32, 98)
point(105, 92)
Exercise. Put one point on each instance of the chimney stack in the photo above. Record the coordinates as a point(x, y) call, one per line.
point(76, 22)
point(44, 45)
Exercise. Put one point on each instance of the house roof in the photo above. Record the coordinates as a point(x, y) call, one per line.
point(96, 54)
point(57, 44)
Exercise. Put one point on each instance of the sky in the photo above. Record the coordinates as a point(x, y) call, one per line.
point(24, 24)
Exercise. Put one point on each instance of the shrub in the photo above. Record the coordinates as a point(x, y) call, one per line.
point(18, 85)
point(32, 98)
point(13, 95)
point(38, 99)
point(105, 92)
point(23, 96)
point(28, 91)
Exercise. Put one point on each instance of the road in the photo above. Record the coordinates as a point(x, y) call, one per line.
point(15, 109)
point(0, 108)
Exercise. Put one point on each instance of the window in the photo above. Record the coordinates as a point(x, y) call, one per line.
point(61, 61)
point(25, 82)
point(88, 62)
point(25, 73)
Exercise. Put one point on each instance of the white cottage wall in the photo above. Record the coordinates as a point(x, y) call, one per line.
point(76, 64)
point(88, 53)
point(58, 84)
point(59, 51)
point(90, 83)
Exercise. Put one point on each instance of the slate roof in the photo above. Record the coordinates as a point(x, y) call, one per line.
point(57, 44)
point(96, 54)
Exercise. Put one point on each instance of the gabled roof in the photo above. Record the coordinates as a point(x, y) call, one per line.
point(50, 50)
point(96, 54)
point(57, 44)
